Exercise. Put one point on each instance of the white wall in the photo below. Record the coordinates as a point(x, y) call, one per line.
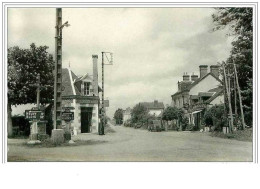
point(205, 85)
point(155, 112)
point(218, 100)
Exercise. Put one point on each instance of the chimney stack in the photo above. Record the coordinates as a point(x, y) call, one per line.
point(95, 75)
point(214, 69)
point(186, 77)
point(203, 70)
point(194, 77)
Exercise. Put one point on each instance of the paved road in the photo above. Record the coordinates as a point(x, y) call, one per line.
point(128, 144)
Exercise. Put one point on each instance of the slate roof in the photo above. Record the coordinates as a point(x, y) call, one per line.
point(153, 105)
point(66, 83)
point(188, 88)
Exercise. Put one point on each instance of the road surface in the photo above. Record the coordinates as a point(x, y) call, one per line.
point(129, 144)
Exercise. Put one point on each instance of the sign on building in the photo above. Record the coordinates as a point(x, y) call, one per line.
point(106, 103)
point(67, 116)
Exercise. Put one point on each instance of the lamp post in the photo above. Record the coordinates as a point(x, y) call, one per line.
point(58, 69)
point(101, 130)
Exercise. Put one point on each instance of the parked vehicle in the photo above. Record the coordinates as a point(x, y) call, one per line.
point(155, 126)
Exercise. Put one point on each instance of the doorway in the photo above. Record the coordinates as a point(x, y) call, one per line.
point(86, 117)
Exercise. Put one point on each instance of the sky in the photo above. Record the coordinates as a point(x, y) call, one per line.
point(152, 47)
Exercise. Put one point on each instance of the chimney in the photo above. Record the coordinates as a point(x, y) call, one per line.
point(186, 77)
point(95, 75)
point(155, 102)
point(214, 69)
point(203, 70)
point(194, 77)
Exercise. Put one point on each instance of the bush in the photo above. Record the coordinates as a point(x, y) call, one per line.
point(191, 127)
point(22, 124)
point(216, 116)
point(185, 123)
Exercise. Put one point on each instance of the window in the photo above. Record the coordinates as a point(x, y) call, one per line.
point(86, 88)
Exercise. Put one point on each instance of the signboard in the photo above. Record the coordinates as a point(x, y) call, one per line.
point(34, 114)
point(67, 116)
point(87, 101)
point(106, 103)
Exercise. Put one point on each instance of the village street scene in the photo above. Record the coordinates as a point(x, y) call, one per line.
point(130, 84)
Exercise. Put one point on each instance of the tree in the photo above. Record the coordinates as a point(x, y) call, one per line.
point(172, 113)
point(240, 25)
point(118, 116)
point(23, 67)
point(139, 114)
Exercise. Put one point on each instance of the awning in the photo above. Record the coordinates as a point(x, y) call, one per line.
point(196, 112)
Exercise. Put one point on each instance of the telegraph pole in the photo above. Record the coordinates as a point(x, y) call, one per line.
point(229, 102)
point(58, 70)
point(240, 99)
point(57, 132)
point(101, 130)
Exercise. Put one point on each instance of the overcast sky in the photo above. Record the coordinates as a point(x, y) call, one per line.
point(152, 47)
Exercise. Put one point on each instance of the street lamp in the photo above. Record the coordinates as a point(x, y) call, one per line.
point(101, 130)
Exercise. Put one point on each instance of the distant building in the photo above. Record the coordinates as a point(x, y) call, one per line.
point(82, 93)
point(155, 108)
point(126, 114)
point(199, 93)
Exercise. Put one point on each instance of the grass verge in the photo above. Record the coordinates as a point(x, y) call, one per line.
point(241, 135)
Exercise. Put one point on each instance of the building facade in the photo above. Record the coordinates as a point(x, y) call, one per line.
point(155, 108)
point(126, 114)
point(82, 94)
point(195, 94)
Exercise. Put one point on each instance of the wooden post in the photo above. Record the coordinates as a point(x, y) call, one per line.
point(235, 94)
point(38, 91)
point(240, 99)
point(229, 102)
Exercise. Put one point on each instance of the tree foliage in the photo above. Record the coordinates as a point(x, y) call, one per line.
point(172, 113)
point(239, 22)
point(118, 116)
point(23, 67)
point(216, 116)
point(139, 114)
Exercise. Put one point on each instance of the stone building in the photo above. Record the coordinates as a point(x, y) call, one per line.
point(82, 93)
point(197, 93)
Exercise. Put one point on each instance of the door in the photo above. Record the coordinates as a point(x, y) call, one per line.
point(86, 117)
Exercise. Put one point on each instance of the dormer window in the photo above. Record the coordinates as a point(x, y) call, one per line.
point(86, 88)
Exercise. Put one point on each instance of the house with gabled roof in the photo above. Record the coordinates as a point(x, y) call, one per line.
point(199, 93)
point(82, 94)
point(154, 108)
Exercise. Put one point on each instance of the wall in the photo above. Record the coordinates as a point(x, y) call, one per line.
point(205, 85)
point(155, 112)
point(126, 117)
point(218, 100)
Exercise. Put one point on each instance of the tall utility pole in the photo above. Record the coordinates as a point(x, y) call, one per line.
point(229, 102)
point(58, 70)
point(102, 128)
point(240, 99)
